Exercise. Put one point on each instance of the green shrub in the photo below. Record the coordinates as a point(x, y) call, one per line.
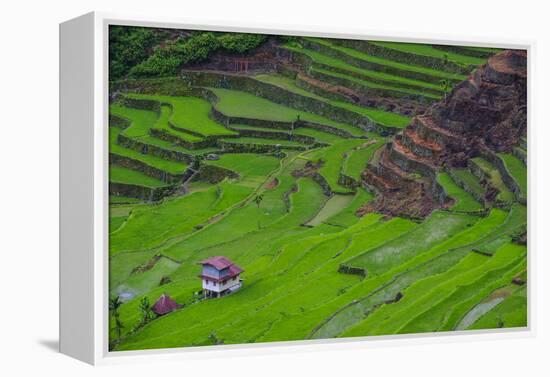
point(240, 43)
point(129, 46)
point(166, 60)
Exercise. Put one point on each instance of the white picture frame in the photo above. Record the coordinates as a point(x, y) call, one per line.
point(84, 192)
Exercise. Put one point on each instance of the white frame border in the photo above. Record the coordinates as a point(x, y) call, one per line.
point(101, 313)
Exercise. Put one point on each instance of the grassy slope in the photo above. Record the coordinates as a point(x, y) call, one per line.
point(380, 116)
point(160, 122)
point(358, 158)
point(190, 113)
point(517, 170)
point(464, 201)
point(258, 140)
point(495, 179)
point(332, 206)
point(333, 158)
point(408, 315)
point(469, 179)
point(429, 262)
point(320, 136)
point(174, 167)
point(392, 81)
point(427, 50)
point(390, 63)
point(124, 175)
point(246, 164)
point(439, 227)
point(512, 312)
point(246, 105)
point(151, 225)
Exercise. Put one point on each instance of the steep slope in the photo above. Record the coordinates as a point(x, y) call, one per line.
point(483, 115)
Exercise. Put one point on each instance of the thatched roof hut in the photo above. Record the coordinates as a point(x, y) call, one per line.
point(165, 305)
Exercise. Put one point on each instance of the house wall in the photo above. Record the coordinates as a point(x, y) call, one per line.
point(210, 271)
point(219, 287)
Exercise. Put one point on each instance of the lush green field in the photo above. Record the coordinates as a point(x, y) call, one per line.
point(333, 159)
point(358, 158)
point(257, 140)
point(377, 115)
point(190, 113)
point(427, 50)
point(124, 175)
point(495, 179)
point(469, 180)
point(315, 264)
point(464, 201)
point(392, 81)
point(517, 170)
point(243, 104)
point(435, 230)
point(169, 166)
point(390, 63)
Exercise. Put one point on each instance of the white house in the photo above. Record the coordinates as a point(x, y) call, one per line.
point(220, 276)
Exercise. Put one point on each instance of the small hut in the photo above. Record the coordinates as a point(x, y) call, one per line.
point(164, 305)
point(220, 276)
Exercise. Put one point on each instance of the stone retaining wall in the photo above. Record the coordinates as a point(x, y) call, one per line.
point(140, 166)
point(345, 269)
point(507, 178)
point(140, 192)
point(275, 135)
point(153, 150)
point(213, 174)
point(367, 91)
point(119, 122)
point(242, 147)
point(347, 181)
point(170, 86)
point(323, 183)
point(464, 51)
point(365, 64)
point(400, 56)
point(282, 96)
point(301, 83)
point(480, 197)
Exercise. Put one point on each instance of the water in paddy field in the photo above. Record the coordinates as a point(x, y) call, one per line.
point(331, 207)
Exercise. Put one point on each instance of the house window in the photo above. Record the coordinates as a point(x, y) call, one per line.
point(234, 278)
point(214, 284)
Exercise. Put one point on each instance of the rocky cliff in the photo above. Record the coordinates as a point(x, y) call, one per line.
point(485, 113)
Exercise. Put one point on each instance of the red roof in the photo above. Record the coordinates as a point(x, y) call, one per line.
point(165, 305)
point(219, 262)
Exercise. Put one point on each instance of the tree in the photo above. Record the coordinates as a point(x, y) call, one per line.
point(145, 309)
point(114, 305)
point(446, 84)
point(258, 199)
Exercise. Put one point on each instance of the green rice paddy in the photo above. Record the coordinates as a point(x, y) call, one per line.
point(464, 201)
point(426, 50)
point(380, 116)
point(389, 63)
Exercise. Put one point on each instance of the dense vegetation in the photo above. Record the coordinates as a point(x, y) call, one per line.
point(166, 59)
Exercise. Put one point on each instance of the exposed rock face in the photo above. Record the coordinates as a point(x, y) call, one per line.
point(263, 58)
point(486, 112)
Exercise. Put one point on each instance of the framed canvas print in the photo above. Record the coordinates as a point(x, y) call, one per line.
point(228, 187)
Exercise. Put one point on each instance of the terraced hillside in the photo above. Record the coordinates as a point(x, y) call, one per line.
point(295, 159)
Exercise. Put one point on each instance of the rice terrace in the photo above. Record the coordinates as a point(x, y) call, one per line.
point(273, 188)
